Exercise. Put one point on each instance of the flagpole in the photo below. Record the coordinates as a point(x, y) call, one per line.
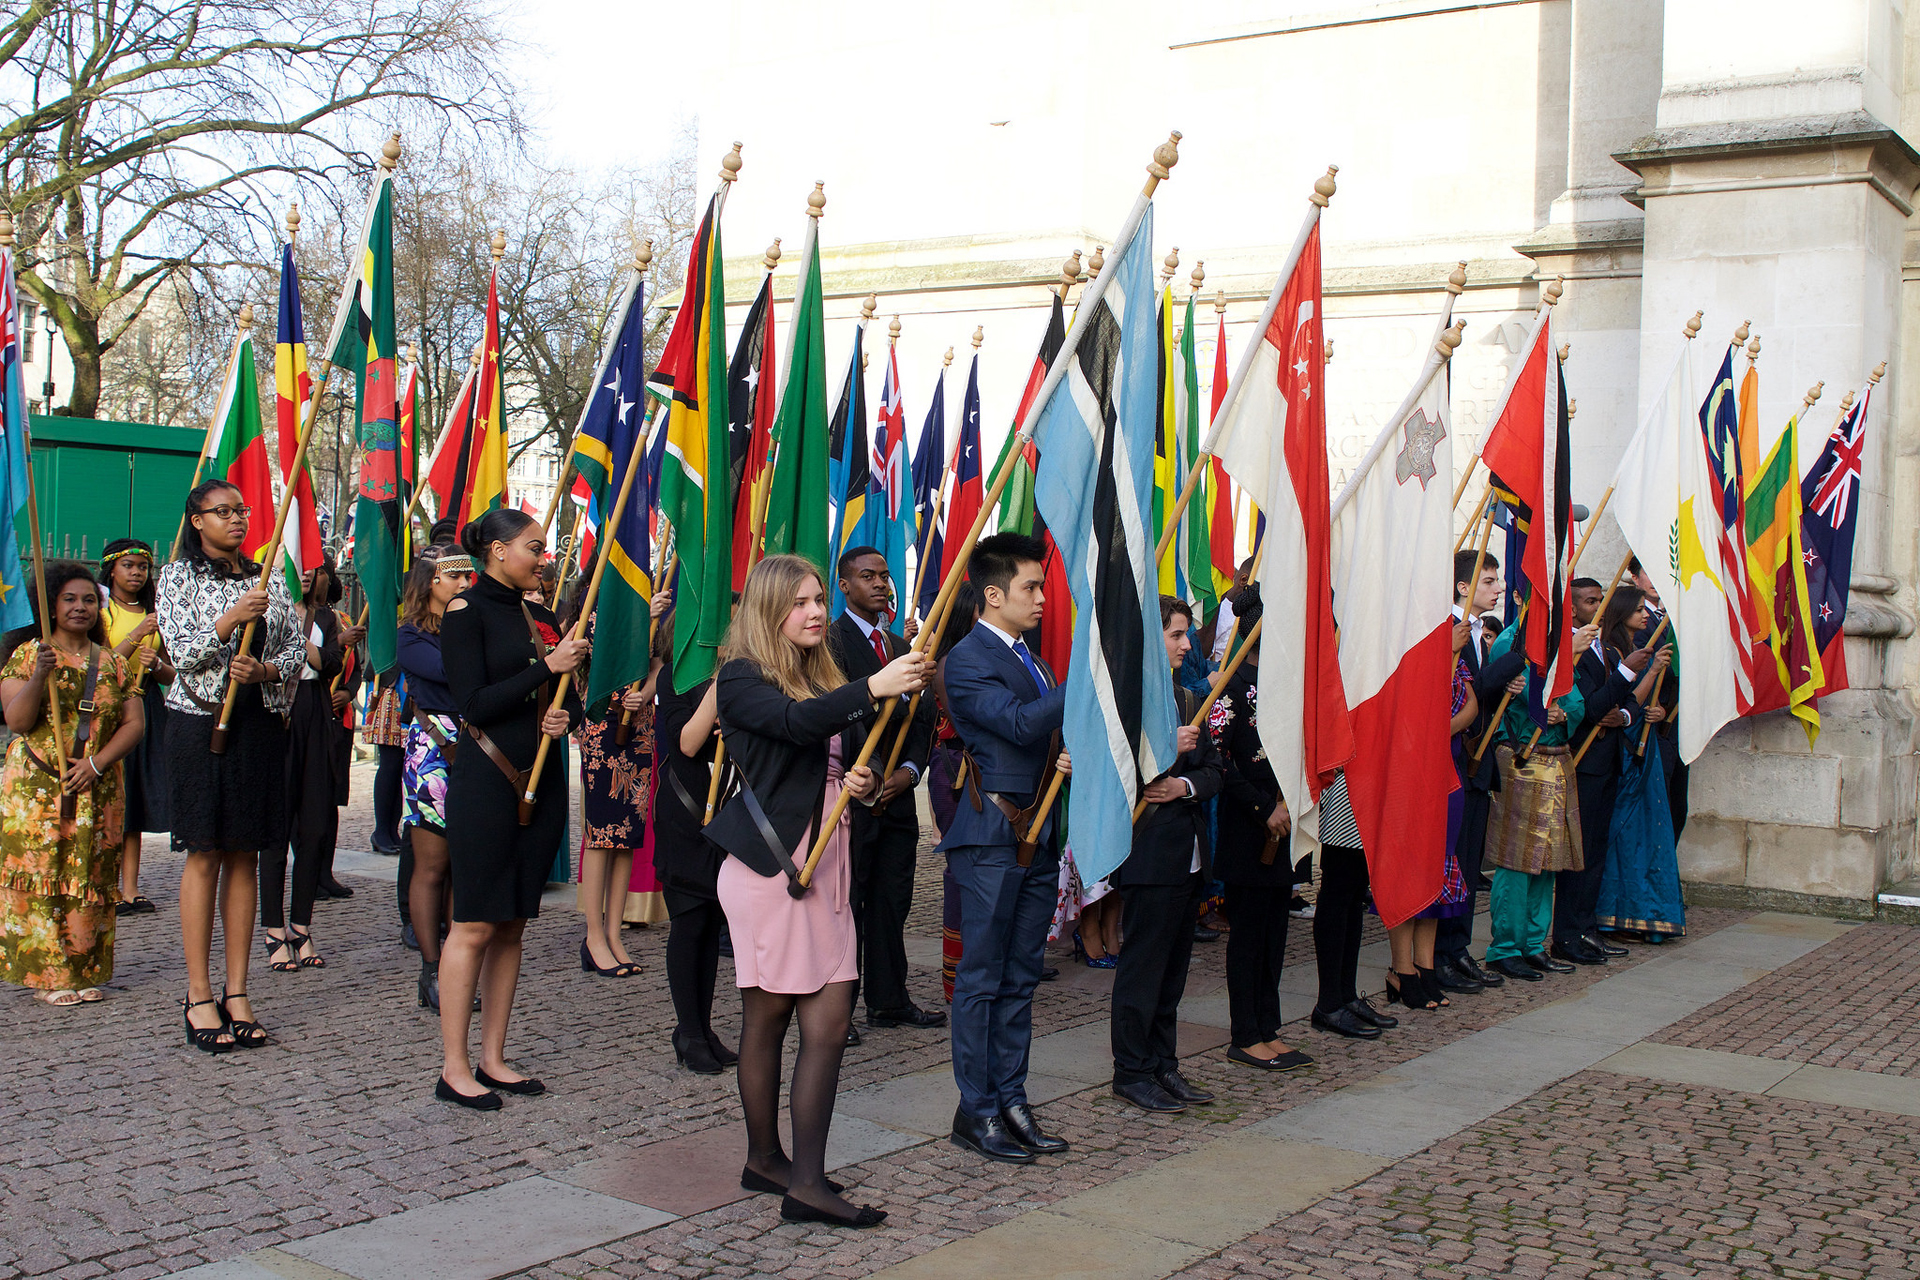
point(757, 516)
point(40, 594)
point(1598, 613)
point(213, 424)
point(1473, 521)
point(610, 529)
point(1657, 680)
point(1165, 156)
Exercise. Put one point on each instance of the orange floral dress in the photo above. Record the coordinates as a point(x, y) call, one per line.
point(58, 879)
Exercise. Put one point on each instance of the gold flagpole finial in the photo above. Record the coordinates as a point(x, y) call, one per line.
point(772, 255)
point(1169, 265)
point(868, 306)
point(1566, 349)
point(6, 228)
point(1693, 325)
point(1873, 379)
point(1220, 301)
point(1573, 407)
point(498, 245)
point(1740, 334)
point(390, 153)
point(293, 221)
point(1846, 403)
point(1328, 357)
point(643, 257)
point(1457, 280)
point(1551, 291)
point(946, 361)
point(1450, 339)
point(979, 335)
point(1197, 277)
point(1165, 156)
point(1753, 349)
point(730, 165)
point(1096, 262)
point(1069, 274)
point(817, 200)
point(246, 316)
point(893, 331)
point(1325, 186)
point(1813, 393)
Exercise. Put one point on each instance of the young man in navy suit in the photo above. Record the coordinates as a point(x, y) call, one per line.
point(1008, 709)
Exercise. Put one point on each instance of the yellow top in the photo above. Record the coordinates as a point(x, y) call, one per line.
point(121, 620)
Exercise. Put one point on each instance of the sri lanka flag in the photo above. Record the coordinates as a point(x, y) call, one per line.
point(1786, 665)
point(293, 388)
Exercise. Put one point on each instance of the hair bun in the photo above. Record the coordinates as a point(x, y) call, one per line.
point(471, 542)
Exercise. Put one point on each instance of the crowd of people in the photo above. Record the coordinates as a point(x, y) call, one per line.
point(194, 700)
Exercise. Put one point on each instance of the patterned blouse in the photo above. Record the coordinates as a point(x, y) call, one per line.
point(192, 598)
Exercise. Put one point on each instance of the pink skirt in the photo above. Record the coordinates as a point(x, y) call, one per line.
point(788, 945)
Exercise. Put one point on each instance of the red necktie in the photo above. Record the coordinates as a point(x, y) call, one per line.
point(879, 646)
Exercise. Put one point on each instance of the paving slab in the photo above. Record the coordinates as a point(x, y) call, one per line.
point(924, 1102)
point(1699, 1066)
point(1868, 1090)
point(924, 953)
point(1082, 1053)
point(1043, 1245)
point(263, 1264)
point(1390, 1116)
point(481, 1235)
point(1507, 1059)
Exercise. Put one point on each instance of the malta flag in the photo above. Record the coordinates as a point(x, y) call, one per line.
point(1273, 439)
point(293, 387)
point(1392, 562)
point(1668, 506)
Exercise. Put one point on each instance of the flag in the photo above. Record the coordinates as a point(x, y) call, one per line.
point(409, 446)
point(293, 388)
point(888, 520)
point(750, 406)
point(1786, 670)
point(694, 489)
point(1392, 550)
point(847, 468)
point(362, 340)
point(586, 523)
point(16, 595)
point(445, 473)
point(1273, 440)
point(1096, 430)
point(1017, 514)
point(797, 491)
point(1830, 507)
point(1166, 453)
point(1526, 452)
point(486, 478)
point(237, 450)
point(1220, 524)
point(1720, 430)
point(1195, 545)
point(930, 467)
point(1667, 505)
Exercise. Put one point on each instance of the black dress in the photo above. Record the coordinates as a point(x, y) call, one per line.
point(685, 862)
point(501, 686)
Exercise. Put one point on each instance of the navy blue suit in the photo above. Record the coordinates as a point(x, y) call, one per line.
point(1007, 723)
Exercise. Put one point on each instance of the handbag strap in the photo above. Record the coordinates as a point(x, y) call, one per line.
point(83, 718)
point(781, 857)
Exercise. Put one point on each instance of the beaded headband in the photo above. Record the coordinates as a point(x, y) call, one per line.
point(459, 562)
point(138, 552)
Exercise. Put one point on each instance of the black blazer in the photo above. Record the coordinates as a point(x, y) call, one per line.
point(1669, 688)
point(1248, 792)
point(1164, 838)
point(854, 652)
point(1604, 689)
point(780, 746)
point(679, 854)
point(1489, 685)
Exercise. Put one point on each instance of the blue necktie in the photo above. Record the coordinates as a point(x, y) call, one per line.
point(1033, 669)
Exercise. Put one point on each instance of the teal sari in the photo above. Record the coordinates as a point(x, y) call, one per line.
point(1640, 886)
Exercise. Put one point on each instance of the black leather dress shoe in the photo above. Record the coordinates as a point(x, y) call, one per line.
point(853, 1035)
point(1471, 967)
point(1451, 978)
point(911, 1016)
point(1148, 1096)
point(1345, 1022)
point(1601, 945)
point(988, 1136)
point(1026, 1131)
point(1516, 968)
point(1049, 974)
point(1547, 964)
point(1363, 1009)
point(1576, 952)
point(1183, 1089)
point(1203, 934)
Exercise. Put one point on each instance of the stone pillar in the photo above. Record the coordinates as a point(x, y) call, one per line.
point(1775, 191)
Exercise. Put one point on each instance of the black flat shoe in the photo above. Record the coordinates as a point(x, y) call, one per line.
point(1291, 1060)
point(1363, 1009)
point(1575, 953)
point(760, 1182)
point(1516, 968)
point(524, 1088)
point(988, 1136)
point(1546, 964)
point(911, 1016)
point(1452, 977)
point(792, 1210)
point(334, 889)
point(853, 1036)
point(1026, 1131)
point(1344, 1022)
point(475, 1102)
point(1050, 974)
point(1469, 966)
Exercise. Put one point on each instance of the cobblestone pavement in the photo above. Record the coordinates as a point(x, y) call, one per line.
point(130, 1155)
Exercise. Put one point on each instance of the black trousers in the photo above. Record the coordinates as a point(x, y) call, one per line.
point(693, 957)
point(1338, 914)
point(405, 872)
point(1152, 976)
point(313, 816)
point(1455, 933)
point(1256, 951)
point(1576, 894)
point(884, 853)
point(386, 796)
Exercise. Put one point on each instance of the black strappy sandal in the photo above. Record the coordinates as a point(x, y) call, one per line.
point(301, 941)
point(273, 944)
point(205, 1039)
point(248, 1035)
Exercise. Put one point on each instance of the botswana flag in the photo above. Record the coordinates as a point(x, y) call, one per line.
point(1096, 432)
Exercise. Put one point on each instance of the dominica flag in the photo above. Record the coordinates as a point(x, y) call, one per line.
point(293, 388)
point(1195, 544)
point(848, 467)
point(796, 503)
point(695, 495)
point(362, 340)
point(16, 608)
point(486, 474)
point(237, 449)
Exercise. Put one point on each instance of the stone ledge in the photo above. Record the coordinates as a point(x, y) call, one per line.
point(1734, 137)
point(1747, 898)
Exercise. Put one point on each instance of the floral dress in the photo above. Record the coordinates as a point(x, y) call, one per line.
point(58, 879)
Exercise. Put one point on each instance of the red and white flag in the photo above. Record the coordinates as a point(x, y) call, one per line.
point(1392, 575)
point(1272, 436)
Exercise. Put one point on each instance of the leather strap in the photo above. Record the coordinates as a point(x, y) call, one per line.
point(1017, 817)
point(781, 857)
point(449, 744)
point(539, 650)
point(518, 777)
point(83, 717)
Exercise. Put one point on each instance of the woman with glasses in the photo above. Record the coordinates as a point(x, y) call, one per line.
point(225, 807)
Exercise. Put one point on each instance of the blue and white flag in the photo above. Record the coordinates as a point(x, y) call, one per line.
point(16, 604)
point(1096, 432)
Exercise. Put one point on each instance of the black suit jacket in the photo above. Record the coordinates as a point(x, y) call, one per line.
point(1248, 791)
point(1489, 684)
point(1670, 687)
point(1164, 838)
point(1604, 689)
point(854, 652)
point(780, 745)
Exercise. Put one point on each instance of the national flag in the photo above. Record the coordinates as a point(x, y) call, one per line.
point(1096, 430)
point(486, 479)
point(237, 449)
point(16, 595)
point(303, 546)
point(362, 340)
point(751, 398)
point(1527, 454)
point(409, 446)
point(1017, 514)
point(1392, 551)
point(1786, 666)
point(848, 467)
point(695, 494)
point(888, 520)
point(445, 472)
point(1221, 524)
point(1830, 500)
point(930, 468)
point(1667, 505)
point(586, 523)
point(1195, 544)
point(1273, 439)
point(797, 491)
point(1720, 432)
point(1166, 452)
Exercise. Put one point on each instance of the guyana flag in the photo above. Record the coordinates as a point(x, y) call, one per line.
point(695, 493)
point(797, 494)
point(1777, 572)
point(1194, 545)
point(362, 341)
point(237, 451)
point(485, 487)
point(293, 388)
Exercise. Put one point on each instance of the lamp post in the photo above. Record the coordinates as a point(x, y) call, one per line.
point(46, 315)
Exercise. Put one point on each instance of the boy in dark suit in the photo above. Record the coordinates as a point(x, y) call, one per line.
point(886, 835)
point(1008, 710)
point(1162, 883)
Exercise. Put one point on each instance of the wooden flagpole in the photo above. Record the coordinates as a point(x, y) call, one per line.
point(1598, 613)
point(1661, 676)
point(1466, 530)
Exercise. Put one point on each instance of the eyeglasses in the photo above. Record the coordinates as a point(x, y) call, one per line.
point(225, 512)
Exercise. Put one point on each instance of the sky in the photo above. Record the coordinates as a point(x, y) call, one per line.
point(580, 92)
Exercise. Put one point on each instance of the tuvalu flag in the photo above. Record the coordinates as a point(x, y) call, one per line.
point(750, 406)
point(293, 388)
point(888, 521)
point(695, 494)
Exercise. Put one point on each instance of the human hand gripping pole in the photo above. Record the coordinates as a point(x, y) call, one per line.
point(1658, 679)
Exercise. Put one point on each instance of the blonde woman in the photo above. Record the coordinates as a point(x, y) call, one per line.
point(782, 704)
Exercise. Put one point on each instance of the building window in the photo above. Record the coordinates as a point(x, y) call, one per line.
point(29, 312)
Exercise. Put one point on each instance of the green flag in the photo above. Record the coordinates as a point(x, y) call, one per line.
point(797, 497)
point(1195, 532)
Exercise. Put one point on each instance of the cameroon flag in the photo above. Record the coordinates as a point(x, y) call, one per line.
point(695, 493)
point(237, 453)
point(797, 497)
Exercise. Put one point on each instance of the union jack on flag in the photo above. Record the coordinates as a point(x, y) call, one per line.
point(1834, 491)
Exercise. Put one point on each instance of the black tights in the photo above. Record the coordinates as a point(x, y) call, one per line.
point(824, 1018)
point(693, 961)
point(426, 896)
point(1338, 916)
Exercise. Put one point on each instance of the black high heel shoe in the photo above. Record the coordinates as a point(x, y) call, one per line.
point(246, 1035)
point(721, 1054)
point(273, 944)
point(695, 1055)
point(792, 1210)
point(304, 942)
point(1407, 989)
point(1436, 995)
point(616, 971)
point(205, 1039)
point(429, 985)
